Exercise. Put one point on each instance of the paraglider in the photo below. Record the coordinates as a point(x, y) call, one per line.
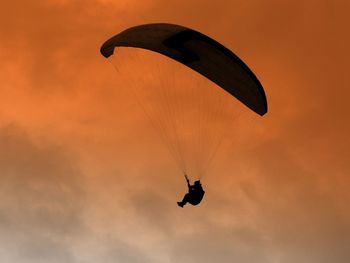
point(195, 193)
point(199, 52)
point(185, 116)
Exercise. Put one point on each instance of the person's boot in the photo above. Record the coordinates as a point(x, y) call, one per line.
point(180, 204)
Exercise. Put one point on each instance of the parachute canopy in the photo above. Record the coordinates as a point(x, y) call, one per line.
point(198, 52)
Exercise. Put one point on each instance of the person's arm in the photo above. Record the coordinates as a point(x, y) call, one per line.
point(188, 181)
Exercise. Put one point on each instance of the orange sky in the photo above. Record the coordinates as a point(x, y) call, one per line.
point(84, 178)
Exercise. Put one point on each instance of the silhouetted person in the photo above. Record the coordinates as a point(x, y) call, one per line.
point(195, 194)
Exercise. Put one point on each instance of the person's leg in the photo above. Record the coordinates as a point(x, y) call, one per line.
point(184, 200)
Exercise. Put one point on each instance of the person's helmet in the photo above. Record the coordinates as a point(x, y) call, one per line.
point(198, 182)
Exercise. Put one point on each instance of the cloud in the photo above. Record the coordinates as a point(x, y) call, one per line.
point(295, 206)
point(42, 198)
point(223, 244)
point(116, 250)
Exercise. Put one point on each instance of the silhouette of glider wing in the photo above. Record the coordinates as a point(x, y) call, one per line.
point(200, 53)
